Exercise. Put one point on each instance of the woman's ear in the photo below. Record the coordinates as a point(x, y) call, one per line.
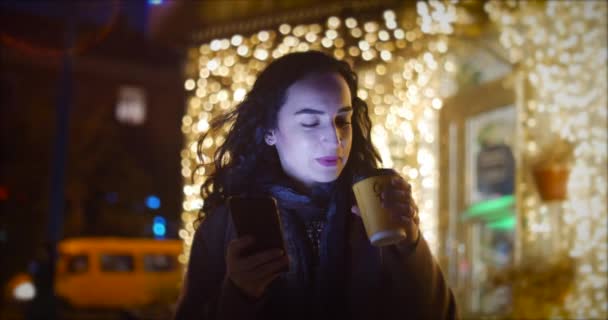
point(270, 138)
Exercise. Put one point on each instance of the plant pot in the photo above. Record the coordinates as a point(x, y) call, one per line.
point(552, 181)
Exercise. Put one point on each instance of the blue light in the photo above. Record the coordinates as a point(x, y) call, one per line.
point(155, 2)
point(159, 227)
point(153, 202)
point(160, 219)
point(159, 230)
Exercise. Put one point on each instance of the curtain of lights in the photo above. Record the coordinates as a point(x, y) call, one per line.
point(398, 59)
point(560, 49)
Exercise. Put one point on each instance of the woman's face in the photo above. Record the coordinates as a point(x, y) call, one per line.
point(314, 134)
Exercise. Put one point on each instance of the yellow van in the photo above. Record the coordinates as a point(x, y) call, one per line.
point(118, 273)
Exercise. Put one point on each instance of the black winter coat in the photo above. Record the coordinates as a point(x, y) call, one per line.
point(368, 282)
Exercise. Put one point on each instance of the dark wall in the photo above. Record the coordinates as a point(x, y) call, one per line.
point(111, 167)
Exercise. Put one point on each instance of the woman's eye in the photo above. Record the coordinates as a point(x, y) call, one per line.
point(340, 122)
point(310, 124)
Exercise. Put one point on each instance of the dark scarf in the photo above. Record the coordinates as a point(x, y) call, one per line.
point(315, 283)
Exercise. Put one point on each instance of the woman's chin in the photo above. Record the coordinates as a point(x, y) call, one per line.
point(328, 177)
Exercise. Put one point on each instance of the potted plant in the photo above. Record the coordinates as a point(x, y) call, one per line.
point(551, 170)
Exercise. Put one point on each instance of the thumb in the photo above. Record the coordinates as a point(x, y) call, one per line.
point(355, 210)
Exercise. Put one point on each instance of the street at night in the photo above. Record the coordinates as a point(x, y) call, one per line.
point(303, 159)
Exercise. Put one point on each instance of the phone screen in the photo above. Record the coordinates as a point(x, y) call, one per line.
point(258, 217)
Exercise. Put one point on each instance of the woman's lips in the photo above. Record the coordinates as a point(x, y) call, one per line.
point(328, 161)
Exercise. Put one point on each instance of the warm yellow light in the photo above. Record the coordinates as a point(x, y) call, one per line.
point(351, 23)
point(285, 29)
point(189, 84)
point(227, 69)
point(263, 36)
point(561, 50)
point(236, 40)
point(333, 22)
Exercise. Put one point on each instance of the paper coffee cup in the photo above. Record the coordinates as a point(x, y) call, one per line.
point(381, 228)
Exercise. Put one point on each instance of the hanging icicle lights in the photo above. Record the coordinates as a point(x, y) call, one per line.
point(398, 63)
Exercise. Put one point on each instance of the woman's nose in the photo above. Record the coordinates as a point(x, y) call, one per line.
point(331, 136)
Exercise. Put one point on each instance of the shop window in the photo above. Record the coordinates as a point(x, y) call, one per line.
point(78, 264)
point(159, 262)
point(116, 263)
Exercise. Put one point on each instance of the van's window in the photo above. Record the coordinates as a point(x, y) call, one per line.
point(159, 262)
point(116, 263)
point(78, 263)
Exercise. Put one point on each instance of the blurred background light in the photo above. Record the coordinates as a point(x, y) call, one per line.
point(153, 202)
point(159, 227)
point(24, 291)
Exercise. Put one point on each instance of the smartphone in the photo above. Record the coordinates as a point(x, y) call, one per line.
point(257, 216)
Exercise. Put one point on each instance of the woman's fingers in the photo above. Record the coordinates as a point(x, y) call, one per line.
point(236, 246)
point(398, 181)
point(266, 270)
point(253, 273)
point(355, 210)
point(257, 279)
point(400, 211)
point(258, 259)
point(396, 199)
point(399, 201)
point(396, 195)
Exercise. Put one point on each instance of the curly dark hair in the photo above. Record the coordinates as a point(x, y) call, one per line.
point(244, 154)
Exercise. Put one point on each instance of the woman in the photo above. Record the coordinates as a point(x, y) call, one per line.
point(303, 136)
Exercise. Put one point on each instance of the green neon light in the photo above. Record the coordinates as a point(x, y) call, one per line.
point(507, 223)
point(485, 207)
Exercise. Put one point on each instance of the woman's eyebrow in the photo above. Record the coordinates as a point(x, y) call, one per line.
point(308, 111)
point(345, 109)
point(315, 111)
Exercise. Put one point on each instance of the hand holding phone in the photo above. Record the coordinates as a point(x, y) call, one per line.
point(253, 273)
point(257, 216)
point(258, 255)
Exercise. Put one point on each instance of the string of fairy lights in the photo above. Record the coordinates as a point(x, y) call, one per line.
point(560, 47)
point(398, 61)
